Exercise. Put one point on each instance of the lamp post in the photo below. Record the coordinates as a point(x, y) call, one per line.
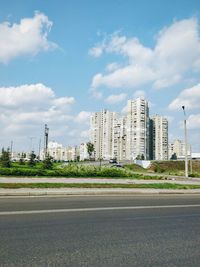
point(99, 147)
point(190, 159)
point(46, 137)
point(118, 148)
point(186, 146)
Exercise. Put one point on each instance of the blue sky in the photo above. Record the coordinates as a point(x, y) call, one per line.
point(82, 56)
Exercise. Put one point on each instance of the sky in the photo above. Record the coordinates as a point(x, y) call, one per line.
point(62, 60)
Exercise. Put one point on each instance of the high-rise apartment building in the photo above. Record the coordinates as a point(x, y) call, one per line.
point(119, 138)
point(158, 138)
point(101, 133)
point(131, 136)
point(137, 129)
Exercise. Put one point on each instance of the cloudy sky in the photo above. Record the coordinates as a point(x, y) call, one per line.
point(62, 60)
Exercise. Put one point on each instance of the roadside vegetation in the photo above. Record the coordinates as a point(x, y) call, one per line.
point(71, 170)
point(175, 167)
point(48, 168)
point(172, 167)
point(94, 185)
point(135, 168)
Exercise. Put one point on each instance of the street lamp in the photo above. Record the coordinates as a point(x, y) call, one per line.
point(99, 147)
point(186, 146)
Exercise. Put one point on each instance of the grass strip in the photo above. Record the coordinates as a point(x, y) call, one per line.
point(136, 176)
point(97, 185)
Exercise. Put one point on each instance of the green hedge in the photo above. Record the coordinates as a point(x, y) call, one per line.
point(69, 171)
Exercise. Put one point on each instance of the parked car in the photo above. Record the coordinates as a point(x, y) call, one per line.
point(112, 161)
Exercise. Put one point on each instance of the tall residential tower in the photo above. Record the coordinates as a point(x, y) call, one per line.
point(158, 138)
point(137, 129)
point(101, 133)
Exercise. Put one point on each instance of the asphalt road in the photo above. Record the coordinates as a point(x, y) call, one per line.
point(100, 231)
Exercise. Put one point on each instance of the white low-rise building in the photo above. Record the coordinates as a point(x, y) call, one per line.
point(60, 153)
point(84, 152)
point(178, 148)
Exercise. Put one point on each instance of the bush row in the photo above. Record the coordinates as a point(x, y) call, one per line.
point(69, 171)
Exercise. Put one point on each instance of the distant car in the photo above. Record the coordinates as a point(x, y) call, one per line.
point(118, 166)
point(112, 161)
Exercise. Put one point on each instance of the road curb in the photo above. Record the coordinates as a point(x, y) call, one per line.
point(77, 191)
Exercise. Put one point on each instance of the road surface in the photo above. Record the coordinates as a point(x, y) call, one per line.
point(100, 231)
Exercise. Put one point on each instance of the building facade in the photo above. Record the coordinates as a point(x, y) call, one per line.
point(137, 128)
point(60, 153)
point(84, 152)
point(158, 138)
point(178, 148)
point(101, 133)
point(119, 138)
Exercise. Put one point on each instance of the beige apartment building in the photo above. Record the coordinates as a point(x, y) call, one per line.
point(137, 129)
point(178, 148)
point(158, 138)
point(101, 133)
point(131, 136)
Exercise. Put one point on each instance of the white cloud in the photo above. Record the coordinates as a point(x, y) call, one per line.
point(95, 93)
point(194, 121)
point(166, 82)
point(139, 93)
point(176, 52)
point(112, 66)
point(126, 77)
point(169, 118)
point(113, 99)
point(96, 51)
point(63, 101)
point(85, 134)
point(190, 98)
point(124, 110)
point(33, 94)
point(25, 108)
point(83, 117)
point(28, 37)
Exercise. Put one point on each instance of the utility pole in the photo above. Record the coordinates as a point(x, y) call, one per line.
point(11, 149)
point(190, 159)
point(186, 145)
point(99, 147)
point(46, 136)
point(39, 148)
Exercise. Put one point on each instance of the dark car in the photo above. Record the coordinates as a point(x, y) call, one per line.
point(112, 161)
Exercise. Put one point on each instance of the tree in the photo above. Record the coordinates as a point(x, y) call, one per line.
point(90, 149)
point(21, 161)
point(22, 158)
point(174, 157)
point(48, 162)
point(140, 157)
point(5, 160)
point(32, 157)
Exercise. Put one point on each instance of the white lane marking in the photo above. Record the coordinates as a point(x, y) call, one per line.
point(95, 209)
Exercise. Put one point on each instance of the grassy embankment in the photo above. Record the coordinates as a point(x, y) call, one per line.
point(168, 167)
point(131, 171)
point(90, 185)
point(72, 170)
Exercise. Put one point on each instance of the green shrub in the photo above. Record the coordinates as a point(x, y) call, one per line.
point(5, 160)
point(73, 170)
point(68, 171)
